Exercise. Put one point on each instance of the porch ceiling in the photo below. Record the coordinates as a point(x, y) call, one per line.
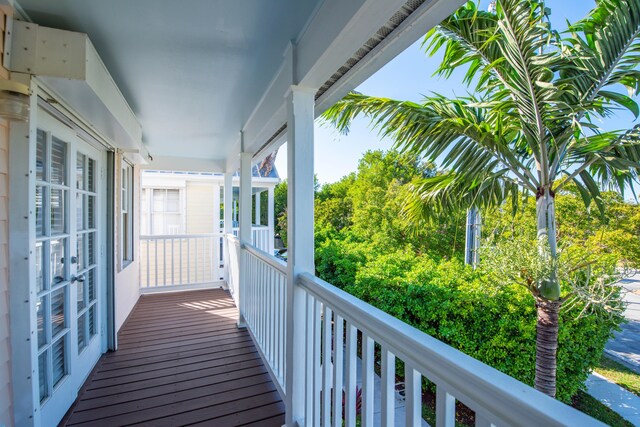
point(192, 71)
point(198, 72)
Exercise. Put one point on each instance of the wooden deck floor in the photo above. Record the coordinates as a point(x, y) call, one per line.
point(181, 360)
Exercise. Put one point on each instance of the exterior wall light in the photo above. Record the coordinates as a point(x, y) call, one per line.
point(14, 100)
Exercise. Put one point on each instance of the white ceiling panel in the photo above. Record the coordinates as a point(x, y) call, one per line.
point(192, 70)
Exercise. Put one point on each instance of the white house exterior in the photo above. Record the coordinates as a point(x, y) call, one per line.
point(202, 86)
point(182, 226)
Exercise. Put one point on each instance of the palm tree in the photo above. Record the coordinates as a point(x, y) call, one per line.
point(529, 126)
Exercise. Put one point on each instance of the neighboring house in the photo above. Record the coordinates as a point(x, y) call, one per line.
point(92, 92)
point(193, 202)
point(182, 224)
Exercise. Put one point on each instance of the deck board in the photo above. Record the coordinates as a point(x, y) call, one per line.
point(181, 360)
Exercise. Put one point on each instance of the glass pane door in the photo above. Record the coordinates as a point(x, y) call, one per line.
point(86, 242)
point(69, 265)
point(52, 261)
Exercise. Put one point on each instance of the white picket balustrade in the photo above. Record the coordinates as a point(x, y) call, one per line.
point(261, 236)
point(343, 332)
point(337, 321)
point(264, 305)
point(181, 261)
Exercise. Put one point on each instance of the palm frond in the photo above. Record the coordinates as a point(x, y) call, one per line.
point(456, 132)
point(611, 159)
point(606, 49)
point(450, 192)
point(469, 37)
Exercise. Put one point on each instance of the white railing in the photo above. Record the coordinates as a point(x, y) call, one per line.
point(347, 332)
point(180, 261)
point(264, 308)
point(189, 261)
point(261, 237)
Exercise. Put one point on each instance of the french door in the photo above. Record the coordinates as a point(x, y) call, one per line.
point(69, 263)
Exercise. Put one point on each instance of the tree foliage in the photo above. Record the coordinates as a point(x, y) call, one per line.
point(530, 126)
point(364, 246)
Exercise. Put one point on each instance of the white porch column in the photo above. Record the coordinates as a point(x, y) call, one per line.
point(257, 197)
point(228, 219)
point(228, 203)
point(300, 104)
point(216, 273)
point(244, 233)
point(271, 218)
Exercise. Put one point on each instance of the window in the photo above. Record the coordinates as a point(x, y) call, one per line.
point(162, 211)
point(126, 207)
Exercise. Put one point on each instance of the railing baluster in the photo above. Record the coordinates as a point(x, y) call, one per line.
point(351, 375)
point(188, 261)
point(181, 261)
point(263, 295)
point(274, 284)
point(326, 367)
point(367, 381)
point(278, 337)
point(173, 261)
point(214, 266)
point(338, 354)
point(196, 261)
point(317, 368)
point(413, 396)
point(445, 408)
point(309, 357)
point(148, 282)
point(259, 300)
point(164, 266)
point(156, 262)
point(281, 319)
point(388, 390)
point(252, 288)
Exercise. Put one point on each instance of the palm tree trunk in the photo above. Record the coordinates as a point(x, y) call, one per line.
point(546, 345)
point(547, 243)
point(548, 301)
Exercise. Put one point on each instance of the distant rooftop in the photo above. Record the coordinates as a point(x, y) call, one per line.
point(256, 172)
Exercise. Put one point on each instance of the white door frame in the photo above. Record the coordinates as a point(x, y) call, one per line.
point(22, 141)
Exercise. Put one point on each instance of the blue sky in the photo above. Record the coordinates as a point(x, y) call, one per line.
point(409, 76)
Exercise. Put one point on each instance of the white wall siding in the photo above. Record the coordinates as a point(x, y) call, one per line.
point(126, 278)
point(6, 409)
point(200, 208)
point(6, 403)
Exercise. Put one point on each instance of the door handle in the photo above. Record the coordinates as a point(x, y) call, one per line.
point(79, 278)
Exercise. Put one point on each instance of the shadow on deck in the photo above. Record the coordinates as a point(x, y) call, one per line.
point(181, 360)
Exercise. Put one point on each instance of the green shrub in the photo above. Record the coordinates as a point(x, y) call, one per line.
point(337, 260)
point(496, 325)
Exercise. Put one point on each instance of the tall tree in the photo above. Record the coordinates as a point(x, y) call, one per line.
point(529, 127)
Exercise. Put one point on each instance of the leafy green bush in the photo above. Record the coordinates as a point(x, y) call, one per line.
point(495, 324)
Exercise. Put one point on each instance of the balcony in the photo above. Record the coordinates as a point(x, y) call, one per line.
point(189, 357)
point(181, 360)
